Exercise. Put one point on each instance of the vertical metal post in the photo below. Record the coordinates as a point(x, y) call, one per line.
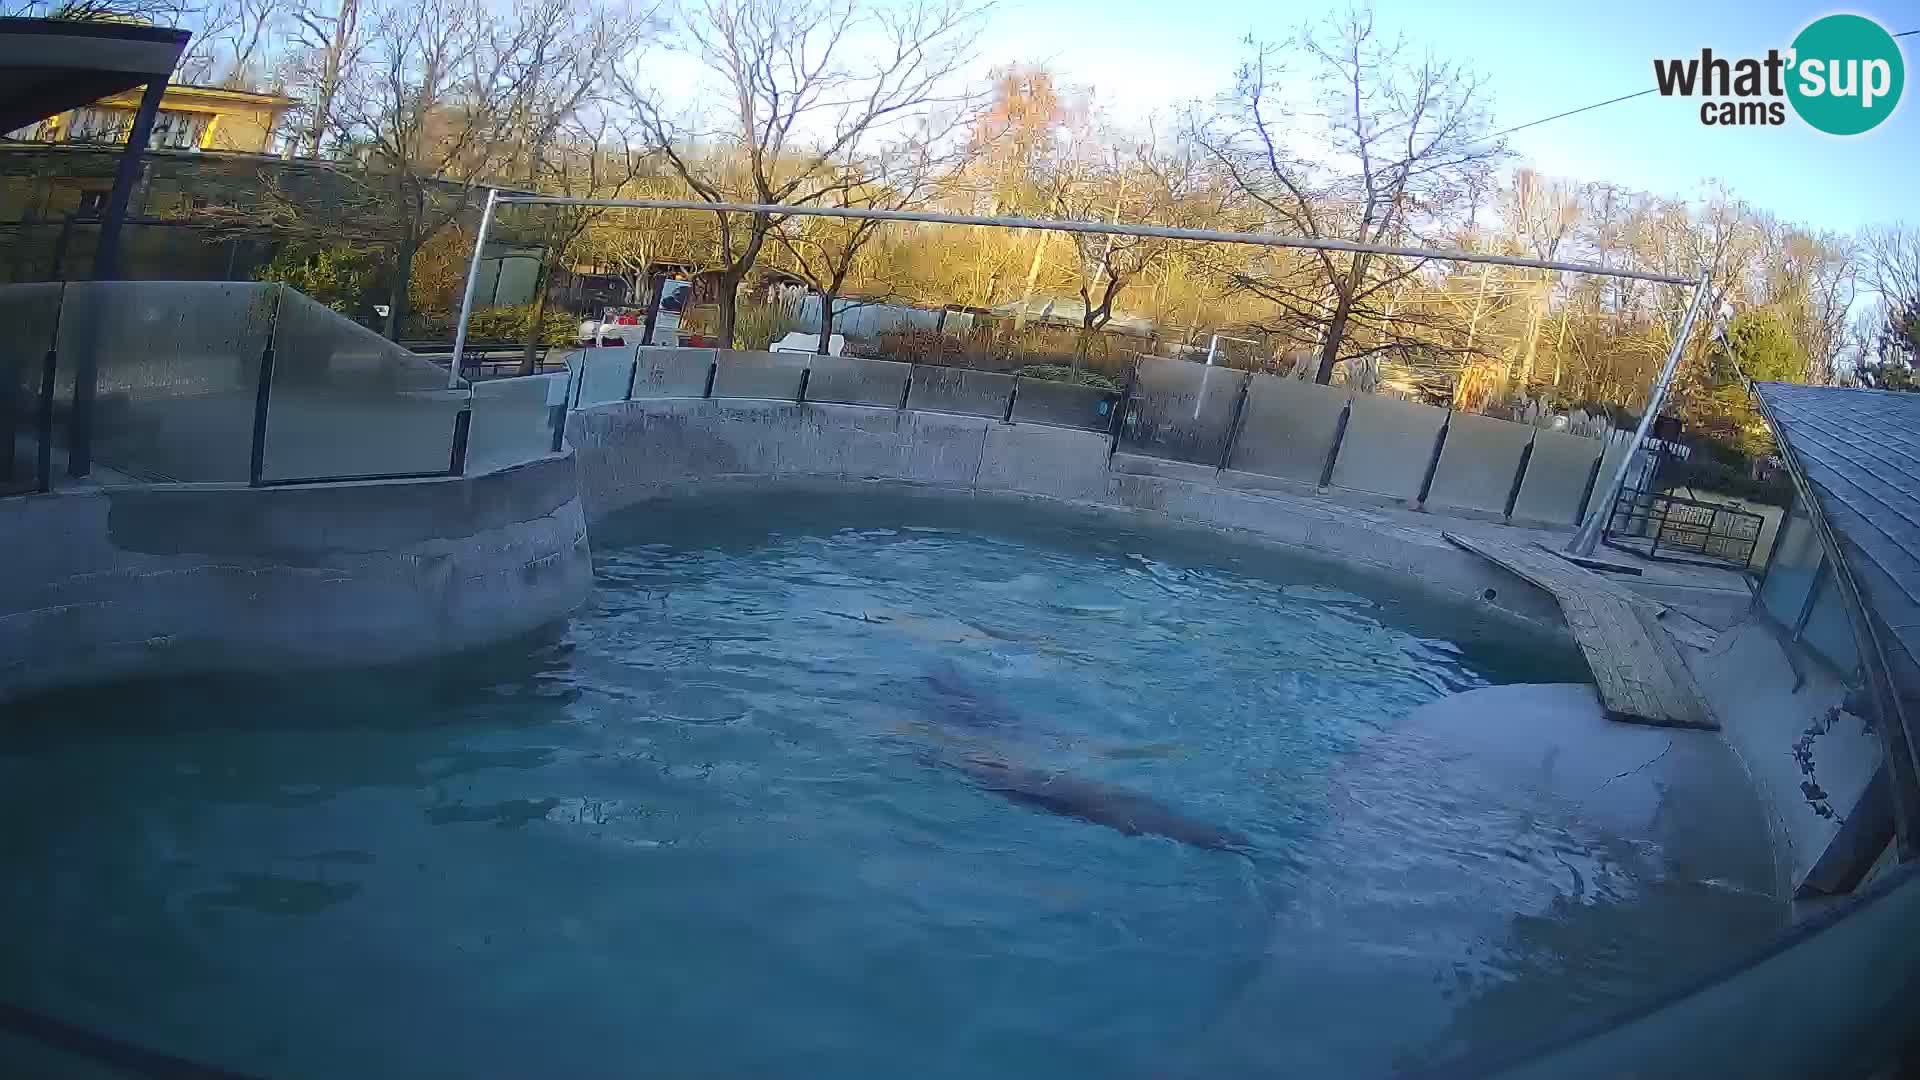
point(1118, 422)
point(106, 257)
point(1585, 540)
point(1239, 421)
point(473, 282)
point(262, 395)
point(106, 267)
point(58, 271)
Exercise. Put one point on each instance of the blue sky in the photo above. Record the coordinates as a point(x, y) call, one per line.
point(1140, 57)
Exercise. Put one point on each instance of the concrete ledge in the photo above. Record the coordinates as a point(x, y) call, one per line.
point(1147, 465)
point(1252, 481)
point(1766, 714)
point(111, 583)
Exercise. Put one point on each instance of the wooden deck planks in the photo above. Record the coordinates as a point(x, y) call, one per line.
point(1640, 674)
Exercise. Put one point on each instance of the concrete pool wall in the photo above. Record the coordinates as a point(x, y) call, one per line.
point(118, 582)
point(635, 451)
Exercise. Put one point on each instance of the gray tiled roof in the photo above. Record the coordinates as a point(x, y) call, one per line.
point(1860, 450)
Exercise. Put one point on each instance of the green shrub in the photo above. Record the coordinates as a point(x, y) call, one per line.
point(917, 347)
point(489, 324)
point(1724, 470)
point(756, 326)
point(337, 276)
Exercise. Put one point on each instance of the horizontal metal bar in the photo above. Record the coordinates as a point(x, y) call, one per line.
point(361, 478)
point(1104, 228)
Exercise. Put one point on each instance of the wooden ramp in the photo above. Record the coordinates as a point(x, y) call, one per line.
point(1640, 674)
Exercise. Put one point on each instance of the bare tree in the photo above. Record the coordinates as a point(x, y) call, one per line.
point(1889, 330)
point(429, 113)
point(597, 161)
point(566, 141)
point(232, 43)
point(1890, 264)
point(329, 40)
point(1403, 146)
point(907, 173)
point(803, 84)
point(1144, 184)
point(156, 12)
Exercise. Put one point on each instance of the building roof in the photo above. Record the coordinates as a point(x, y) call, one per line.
point(48, 66)
point(1860, 453)
point(224, 93)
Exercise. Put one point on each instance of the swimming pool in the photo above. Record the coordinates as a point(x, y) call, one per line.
point(855, 786)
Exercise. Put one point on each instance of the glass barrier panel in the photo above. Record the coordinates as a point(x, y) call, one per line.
point(1045, 401)
point(1288, 428)
point(512, 421)
point(1828, 630)
point(177, 373)
point(664, 371)
point(766, 375)
point(1791, 573)
point(1388, 445)
point(602, 374)
point(850, 380)
point(1479, 461)
point(1556, 480)
point(959, 390)
point(347, 403)
point(31, 314)
point(1181, 410)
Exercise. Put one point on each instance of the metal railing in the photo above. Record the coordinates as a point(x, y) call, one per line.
point(1667, 527)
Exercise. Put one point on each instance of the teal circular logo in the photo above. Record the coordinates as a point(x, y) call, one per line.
point(1847, 74)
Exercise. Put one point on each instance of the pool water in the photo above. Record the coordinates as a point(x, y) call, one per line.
point(845, 787)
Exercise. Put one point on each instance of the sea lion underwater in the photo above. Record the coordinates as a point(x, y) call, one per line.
point(1128, 812)
point(960, 711)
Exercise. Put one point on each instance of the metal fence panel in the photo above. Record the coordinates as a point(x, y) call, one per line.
point(1388, 446)
point(1288, 428)
point(1556, 480)
point(178, 372)
point(959, 390)
point(850, 380)
point(346, 402)
point(511, 421)
point(30, 314)
point(1181, 410)
point(1478, 464)
point(664, 371)
point(772, 376)
point(1045, 401)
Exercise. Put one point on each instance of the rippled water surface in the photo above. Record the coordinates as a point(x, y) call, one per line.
point(841, 788)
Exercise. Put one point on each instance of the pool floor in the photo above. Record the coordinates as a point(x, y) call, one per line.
point(876, 786)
